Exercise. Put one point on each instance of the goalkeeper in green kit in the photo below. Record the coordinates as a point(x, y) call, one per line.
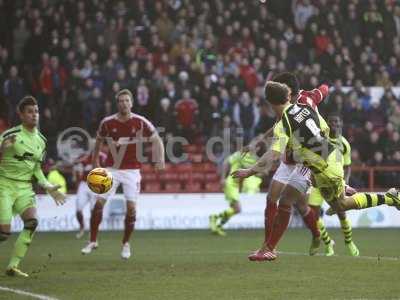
point(22, 150)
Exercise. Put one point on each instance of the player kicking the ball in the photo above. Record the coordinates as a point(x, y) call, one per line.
point(291, 180)
point(300, 125)
point(124, 132)
point(22, 152)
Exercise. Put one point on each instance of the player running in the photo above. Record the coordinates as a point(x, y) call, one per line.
point(123, 131)
point(300, 125)
point(22, 152)
point(84, 195)
point(292, 179)
point(315, 199)
point(250, 185)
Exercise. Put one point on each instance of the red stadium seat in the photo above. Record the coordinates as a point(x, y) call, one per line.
point(190, 148)
point(211, 177)
point(194, 187)
point(168, 176)
point(169, 167)
point(213, 187)
point(185, 167)
point(150, 176)
point(197, 176)
point(146, 168)
point(210, 167)
point(172, 187)
point(195, 157)
point(152, 187)
point(185, 176)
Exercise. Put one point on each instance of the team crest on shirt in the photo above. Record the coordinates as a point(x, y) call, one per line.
point(114, 130)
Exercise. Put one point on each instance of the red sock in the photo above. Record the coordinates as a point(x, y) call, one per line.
point(79, 217)
point(129, 226)
point(269, 217)
point(310, 219)
point(281, 223)
point(95, 220)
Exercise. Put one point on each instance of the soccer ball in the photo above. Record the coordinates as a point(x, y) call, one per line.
point(99, 180)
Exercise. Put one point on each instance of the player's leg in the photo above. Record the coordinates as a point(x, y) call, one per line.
point(297, 187)
point(271, 207)
point(348, 234)
point(289, 196)
point(231, 192)
point(130, 180)
point(25, 206)
point(130, 219)
point(82, 198)
point(270, 211)
point(315, 201)
point(366, 200)
point(279, 180)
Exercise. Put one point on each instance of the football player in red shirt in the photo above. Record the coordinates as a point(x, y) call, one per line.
point(124, 133)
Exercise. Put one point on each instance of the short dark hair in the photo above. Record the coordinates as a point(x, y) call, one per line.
point(26, 101)
point(124, 92)
point(276, 93)
point(290, 79)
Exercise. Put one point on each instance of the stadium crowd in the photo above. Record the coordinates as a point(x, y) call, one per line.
point(197, 68)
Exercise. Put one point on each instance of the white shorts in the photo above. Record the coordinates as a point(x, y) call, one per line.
point(300, 178)
point(296, 176)
point(84, 196)
point(283, 172)
point(130, 180)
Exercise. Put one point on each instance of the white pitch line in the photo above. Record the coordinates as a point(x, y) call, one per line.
point(388, 258)
point(341, 256)
point(24, 293)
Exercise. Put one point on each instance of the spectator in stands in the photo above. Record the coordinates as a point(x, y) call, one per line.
point(302, 10)
point(20, 35)
point(212, 117)
point(246, 116)
point(370, 146)
point(14, 90)
point(164, 116)
point(186, 112)
point(394, 117)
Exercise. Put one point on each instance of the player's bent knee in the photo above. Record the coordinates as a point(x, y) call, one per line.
point(236, 207)
point(4, 236)
point(31, 224)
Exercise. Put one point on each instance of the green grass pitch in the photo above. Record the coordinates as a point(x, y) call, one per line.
point(197, 265)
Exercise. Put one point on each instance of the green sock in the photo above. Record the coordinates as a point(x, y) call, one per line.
point(324, 234)
point(346, 229)
point(226, 215)
point(365, 200)
point(20, 247)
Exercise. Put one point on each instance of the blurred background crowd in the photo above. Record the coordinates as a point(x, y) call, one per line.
point(197, 68)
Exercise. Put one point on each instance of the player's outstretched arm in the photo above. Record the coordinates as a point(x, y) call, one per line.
point(158, 150)
point(263, 165)
point(225, 170)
